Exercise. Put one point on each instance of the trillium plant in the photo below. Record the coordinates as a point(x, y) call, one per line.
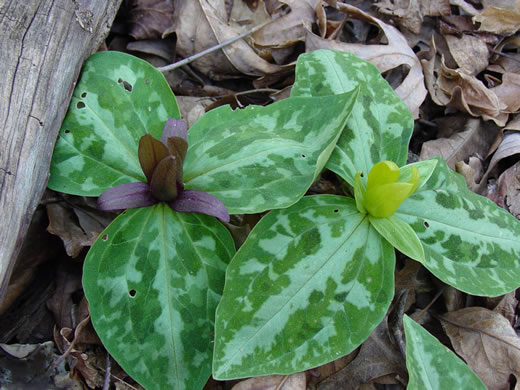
point(316, 275)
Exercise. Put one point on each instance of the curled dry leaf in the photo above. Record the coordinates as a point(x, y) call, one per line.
point(488, 343)
point(504, 21)
point(409, 14)
point(458, 89)
point(475, 139)
point(274, 382)
point(469, 52)
point(201, 24)
point(384, 56)
point(509, 182)
point(149, 19)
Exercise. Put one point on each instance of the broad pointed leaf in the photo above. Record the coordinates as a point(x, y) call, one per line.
point(400, 235)
point(432, 366)
point(151, 152)
point(262, 158)
point(380, 126)
point(118, 99)
point(307, 287)
point(153, 279)
point(469, 242)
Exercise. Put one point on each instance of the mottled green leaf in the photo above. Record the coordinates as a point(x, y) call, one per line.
point(118, 99)
point(380, 126)
point(262, 158)
point(400, 235)
point(425, 169)
point(469, 242)
point(153, 279)
point(432, 366)
point(307, 287)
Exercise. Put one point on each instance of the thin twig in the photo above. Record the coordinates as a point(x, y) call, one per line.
point(106, 383)
point(280, 385)
point(227, 42)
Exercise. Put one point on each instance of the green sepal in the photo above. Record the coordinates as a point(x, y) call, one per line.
point(359, 193)
point(432, 366)
point(400, 235)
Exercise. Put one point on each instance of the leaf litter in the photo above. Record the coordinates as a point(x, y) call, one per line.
point(456, 65)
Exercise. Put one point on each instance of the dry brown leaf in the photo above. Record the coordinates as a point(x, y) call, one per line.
point(487, 342)
point(201, 24)
point(509, 92)
point(504, 21)
point(192, 107)
point(409, 14)
point(469, 52)
point(288, 29)
point(475, 139)
point(273, 382)
point(507, 306)
point(384, 56)
point(514, 124)
point(509, 184)
point(463, 5)
point(149, 19)
point(378, 357)
point(457, 89)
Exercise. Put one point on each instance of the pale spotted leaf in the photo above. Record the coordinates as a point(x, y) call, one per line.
point(380, 126)
point(307, 287)
point(262, 158)
point(118, 99)
point(153, 279)
point(432, 366)
point(469, 242)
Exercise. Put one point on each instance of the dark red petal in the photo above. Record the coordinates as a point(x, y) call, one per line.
point(164, 179)
point(193, 201)
point(126, 196)
point(151, 152)
point(178, 147)
point(174, 128)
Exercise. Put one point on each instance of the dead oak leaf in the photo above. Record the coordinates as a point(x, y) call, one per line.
point(384, 56)
point(487, 342)
point(149, 19)
point(273, 382)
point(504, 21)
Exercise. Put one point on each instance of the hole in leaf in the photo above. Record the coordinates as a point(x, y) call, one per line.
point(147, 82)
point(84, 95)
point(303, 156)
point(67, 131)
point(119, 81)
point(104, 238)
point(80, 105)
point(336, 210)
point(361, 174)
point(426, 225)
point(132, 293)
point(127, 86)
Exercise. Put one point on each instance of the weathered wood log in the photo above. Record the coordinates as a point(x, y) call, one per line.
point(43, 44)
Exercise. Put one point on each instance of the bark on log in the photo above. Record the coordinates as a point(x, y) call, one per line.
point(43, 45)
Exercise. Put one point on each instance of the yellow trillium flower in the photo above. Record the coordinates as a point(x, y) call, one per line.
point(384, 193)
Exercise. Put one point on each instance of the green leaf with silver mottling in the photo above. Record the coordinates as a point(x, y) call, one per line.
point(469, 242)
point(153, 279)
point(307, 287)
point(118, 99)
point(432, 366)
point(380, 126)
point(425, 169)
point(262, 158)
point(400, 235)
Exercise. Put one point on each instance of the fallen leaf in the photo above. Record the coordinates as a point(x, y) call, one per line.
point(68, 282)
point(510, 182)
point(457, 89)
point(273, 382)
point(384, 56)
point(201, 24)
point(475, 139)
point(469, 52)
point(192, 107)
point(487, 342)
point(509, 92)
point(504, 21)
point(149, 19)
point(507, 305)
point(410, 14)
point(377, 357)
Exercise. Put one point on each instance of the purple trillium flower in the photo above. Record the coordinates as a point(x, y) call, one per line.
point(162, 162)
